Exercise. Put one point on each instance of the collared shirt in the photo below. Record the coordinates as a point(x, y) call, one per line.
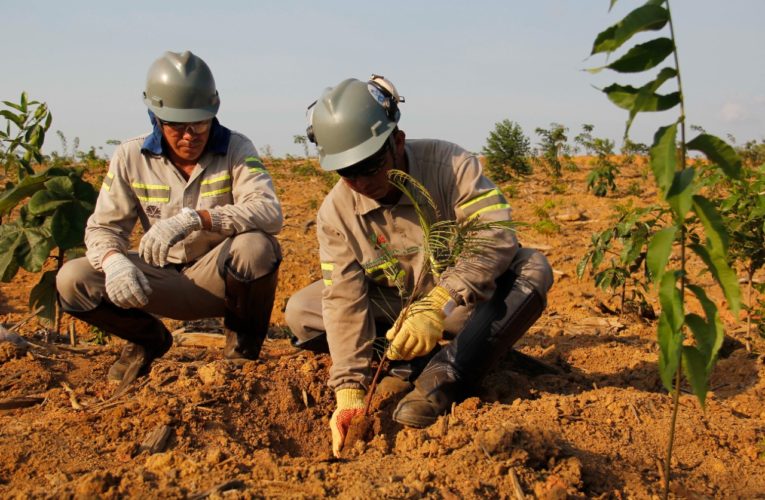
point(363, 242)
point(142, 184)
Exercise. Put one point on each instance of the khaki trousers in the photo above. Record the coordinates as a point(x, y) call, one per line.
point(187, 292)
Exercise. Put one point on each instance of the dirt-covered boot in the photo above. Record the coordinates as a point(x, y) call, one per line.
point(146, 336)
point(492, 329)
point(248, 313)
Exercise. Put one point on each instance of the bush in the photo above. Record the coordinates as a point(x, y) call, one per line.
point(507, 150)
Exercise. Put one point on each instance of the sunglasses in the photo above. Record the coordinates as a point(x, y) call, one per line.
point(199, 127)
point(367, 167)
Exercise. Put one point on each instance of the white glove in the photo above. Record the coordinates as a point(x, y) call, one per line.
point(126, 285)
point(157, 241)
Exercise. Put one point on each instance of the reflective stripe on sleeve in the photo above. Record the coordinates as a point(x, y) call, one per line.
point(254, 165)
point(485, 202)
point(107, 183)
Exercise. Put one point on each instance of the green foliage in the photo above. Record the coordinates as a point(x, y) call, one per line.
point(51, 208)
point(507, 151)
point(553, 147)
point(30, 119)
point(617, 256)
point(602, 177)
point(545, 224)
point(696, 224)
point(303, 141)
point(741, 207)
point(753, 153)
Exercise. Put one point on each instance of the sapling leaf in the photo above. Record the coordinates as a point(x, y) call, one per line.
point(714, 323)
point(663, 156)
point(45, 202)
point(680, 193)
point(723, 274)
point(645, 18)
point(10, 239)
point(670, 328)
point(718, 152)
point(44, 294)
point(26, 187)
point(643, 56)
point(659, 250)
point(694, 367)
point(714, 228)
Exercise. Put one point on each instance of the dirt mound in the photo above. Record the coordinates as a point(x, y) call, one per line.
point(199, 426)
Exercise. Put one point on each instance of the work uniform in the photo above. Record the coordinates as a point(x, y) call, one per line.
point(143, 185)
point(370, 252)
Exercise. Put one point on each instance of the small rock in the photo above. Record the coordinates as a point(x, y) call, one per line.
point(212, 374)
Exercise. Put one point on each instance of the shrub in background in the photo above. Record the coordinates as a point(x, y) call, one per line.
point(507, 152)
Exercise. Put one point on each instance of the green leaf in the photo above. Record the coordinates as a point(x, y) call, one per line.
point(670, 328)
point(718, 152)
point(714, 228)
point(45, 202)
point(724, 275)
point(711, 346)
point(671, 301)
point(68, 225)
point(694, 366)
point(10, 239)
point(663, 156)
point(35, 248)
point(680, 193)
point(44, 294)
point(645, 18)
point(670, 343)
point(643, 56)
point(659, 250)
point(26, 187)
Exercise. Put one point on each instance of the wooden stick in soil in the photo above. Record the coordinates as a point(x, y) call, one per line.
point(26, 318)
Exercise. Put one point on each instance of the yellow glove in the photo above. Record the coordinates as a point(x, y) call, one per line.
point(422, 327)
point(350, 402)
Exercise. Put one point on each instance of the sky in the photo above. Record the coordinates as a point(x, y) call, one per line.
point(462, 66)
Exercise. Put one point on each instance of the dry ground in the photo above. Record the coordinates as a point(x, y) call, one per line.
point(599, 429)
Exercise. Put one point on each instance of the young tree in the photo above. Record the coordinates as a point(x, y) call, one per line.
point(507, 151)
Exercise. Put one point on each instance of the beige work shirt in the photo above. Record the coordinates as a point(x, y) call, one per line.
point(362, 243)
point(233, 187)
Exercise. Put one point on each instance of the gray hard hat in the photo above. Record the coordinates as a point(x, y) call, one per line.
point(351, 121)
point(181, 88)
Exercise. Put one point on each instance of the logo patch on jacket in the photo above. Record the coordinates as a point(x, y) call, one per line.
point(153, 211)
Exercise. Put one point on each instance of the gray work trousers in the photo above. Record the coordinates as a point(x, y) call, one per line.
point(187, 292)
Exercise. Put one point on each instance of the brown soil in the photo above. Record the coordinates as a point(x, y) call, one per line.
point(599, 429)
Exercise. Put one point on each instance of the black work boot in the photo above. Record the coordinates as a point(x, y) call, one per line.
point(493, 328)
point(248, 313)
point(146, 336)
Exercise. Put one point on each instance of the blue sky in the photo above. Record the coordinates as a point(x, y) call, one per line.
point(462, 66)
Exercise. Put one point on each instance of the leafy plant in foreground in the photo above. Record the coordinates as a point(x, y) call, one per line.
point(678, 188)
point(51, 209)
